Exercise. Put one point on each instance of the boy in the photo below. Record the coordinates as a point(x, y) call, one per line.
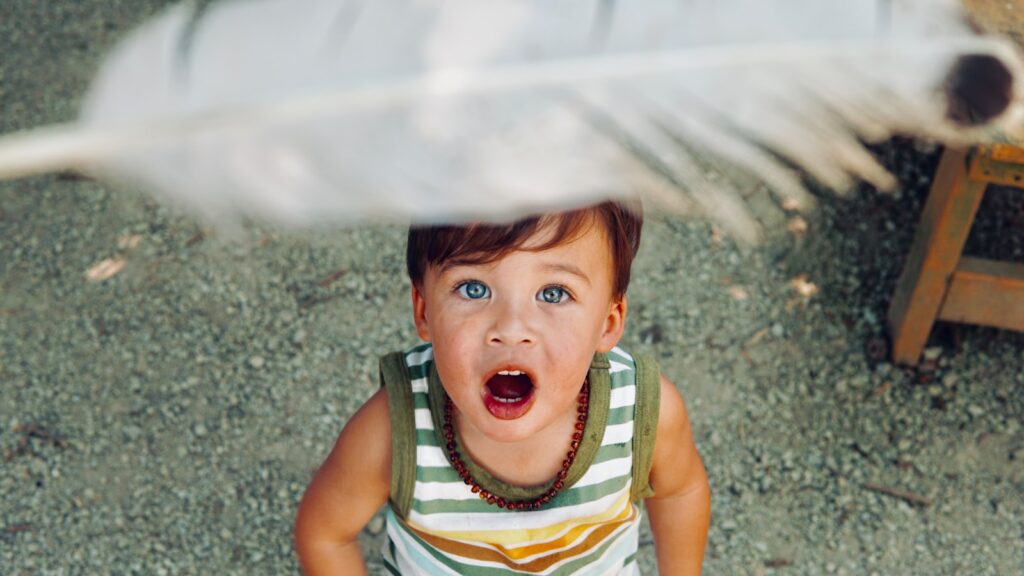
point(519, 440)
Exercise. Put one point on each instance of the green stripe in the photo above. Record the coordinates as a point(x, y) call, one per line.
point(419, 371)
point(571, 497)
point(391, 569)
point(447, 474)
point(620, 415)
point(629, 560)
point(616, 357)
point(420, 401)
point(591, 555)
point(426, 438)
point(458, 567)
point(611, 452)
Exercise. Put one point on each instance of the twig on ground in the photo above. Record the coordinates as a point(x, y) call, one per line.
point(757, 337)
point(909, 497)
point(37, 431)
point(15, 528)
point(306, 303)
point(332, 277)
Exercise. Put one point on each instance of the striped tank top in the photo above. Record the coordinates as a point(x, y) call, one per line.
point(437, 525)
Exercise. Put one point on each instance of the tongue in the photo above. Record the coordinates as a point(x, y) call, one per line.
point(504, 386)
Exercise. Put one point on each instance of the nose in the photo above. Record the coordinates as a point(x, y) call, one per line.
point(510, 326)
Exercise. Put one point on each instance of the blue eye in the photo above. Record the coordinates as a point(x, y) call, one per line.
point(553, 294)
point(474, 290)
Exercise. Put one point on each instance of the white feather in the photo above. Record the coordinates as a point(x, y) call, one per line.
point(341, 111)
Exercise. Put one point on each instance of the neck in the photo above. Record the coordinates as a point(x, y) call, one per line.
point(529, 462)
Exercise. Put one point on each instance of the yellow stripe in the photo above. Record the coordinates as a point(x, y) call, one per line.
point(512, 539)
point(462, 550)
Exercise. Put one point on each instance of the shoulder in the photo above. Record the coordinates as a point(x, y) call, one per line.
point(677, 466)
point(352, 483)
point(366, 440)
point(672, 414)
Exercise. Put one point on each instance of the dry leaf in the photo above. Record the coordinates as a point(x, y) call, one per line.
point(104, 269)
point(790, 204)
point(802, 286)
point(129, 241)
point(738, 293)
point(797, 226)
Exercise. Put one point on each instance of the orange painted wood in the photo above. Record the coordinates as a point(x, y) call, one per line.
point(1008, 171)
point(986, 292)
point(1006, 153)
point(941, 233)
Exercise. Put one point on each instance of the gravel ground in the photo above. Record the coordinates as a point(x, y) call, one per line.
point(167, 419)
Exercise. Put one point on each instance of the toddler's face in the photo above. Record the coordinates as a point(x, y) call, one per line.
point(513, 339)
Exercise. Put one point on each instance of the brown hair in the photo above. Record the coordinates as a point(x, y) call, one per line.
point(484, 243)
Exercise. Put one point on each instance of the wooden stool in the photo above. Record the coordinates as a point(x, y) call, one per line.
point(937, 282)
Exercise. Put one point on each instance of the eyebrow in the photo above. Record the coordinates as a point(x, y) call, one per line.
point(569, 268)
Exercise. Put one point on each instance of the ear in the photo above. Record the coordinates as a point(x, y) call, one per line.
point(419, 313)
point(614, 324)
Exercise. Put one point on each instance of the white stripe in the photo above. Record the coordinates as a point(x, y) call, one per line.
point(624, 542)
point(431, 456)
point(406, 565)
point(419, 385)
point(484, 521)
point(617, 367)
point(417, 358)
point(598, 473)
point(588, 569)
point(625, 396)
point(423, 419)
point(429, 491)
point(618, 434)
point(622, 353)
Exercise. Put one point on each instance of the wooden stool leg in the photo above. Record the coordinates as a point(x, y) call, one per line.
point(945, 223)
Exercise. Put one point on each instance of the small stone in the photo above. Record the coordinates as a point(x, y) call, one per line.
point(934, 391)
point(376, 525)
point(132, 432)
point(256, 362)
point(932, 353)
point(299, 336)
point(777, 330)
point(716, 439)
point(975, 410)
point(199, 430)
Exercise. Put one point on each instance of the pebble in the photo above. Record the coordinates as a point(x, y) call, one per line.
point(787, 456)
point(376, 525)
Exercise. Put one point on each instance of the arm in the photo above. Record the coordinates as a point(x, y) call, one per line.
point(680, 510)
point(348, 489)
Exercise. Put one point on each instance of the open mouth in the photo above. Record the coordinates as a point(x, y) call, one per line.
point(509, 393)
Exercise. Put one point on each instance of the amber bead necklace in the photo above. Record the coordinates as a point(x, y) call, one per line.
point(556, 485)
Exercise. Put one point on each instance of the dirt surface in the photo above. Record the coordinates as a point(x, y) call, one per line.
point(166, 392)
